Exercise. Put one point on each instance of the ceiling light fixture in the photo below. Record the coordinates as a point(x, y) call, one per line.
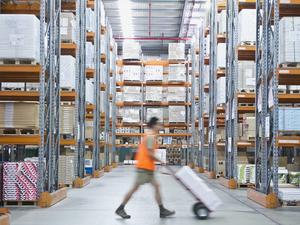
point(126, 17)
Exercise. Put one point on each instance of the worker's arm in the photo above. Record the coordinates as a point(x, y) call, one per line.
point(150, 146)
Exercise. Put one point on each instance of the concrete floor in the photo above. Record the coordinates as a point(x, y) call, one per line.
point(95, 205)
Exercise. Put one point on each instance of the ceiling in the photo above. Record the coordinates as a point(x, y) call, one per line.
point(156, 20)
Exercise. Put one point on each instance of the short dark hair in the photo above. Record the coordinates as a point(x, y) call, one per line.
point(152, 122)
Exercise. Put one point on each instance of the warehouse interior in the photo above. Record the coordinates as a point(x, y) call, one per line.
point(80, 79)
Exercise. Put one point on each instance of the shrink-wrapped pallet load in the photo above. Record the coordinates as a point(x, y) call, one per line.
point(131, 50)
point(176, 51)
point(177, 72)
point(221, 55)
point(90, 55)
point(207, 45)
point(132, 73)
point(222, 22)
point(176, 94)
point(20, 37)
point(132, 94)
point(131, 115)
point(155, 112)
point(177, 114)
point(89, 91)
point(12, 115)
point(67, 119)
point(66, 170)
point(154, 73)
point(246, 173)
point(289, 119)
point(246, 76)
point(221, 90)
point(89, 129)
point(247, 26)
point(90, 20)
point(68, 27)
point(289, 42)
point(67, 71)
point(154, 94)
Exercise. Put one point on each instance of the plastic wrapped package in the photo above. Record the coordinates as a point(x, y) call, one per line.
point(206, 103)
point(132, 94)
point(155, 112)
point(20, 37)
point(177, 72)
point(103, 14)
point(12, 115)
point(89, 91)
point(132, 73)
point(206, 74)
point(247, 25)
point(207, 45)
point(66, 170)
point(289, 44)
point(131, 115)
point(68, 27)
point(67, 71)
point(288, 119)
point(154, 93)
point(246, 173)
point(131, 50)
point(221, 90)
point(90, 20)
point(221, 55)
point(89, 129)
point(90, 55)
point(176, 94)
point(13, 86)
point(177, 114)
point(222, 22)
point(154, 73)
point(102, 101)
point(246, 75)
point(177, 51)
point(67, 119)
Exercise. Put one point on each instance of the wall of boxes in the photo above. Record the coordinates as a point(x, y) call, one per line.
point(20, 53)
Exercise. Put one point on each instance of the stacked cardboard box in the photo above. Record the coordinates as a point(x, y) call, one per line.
point(221, 55)
point(132, 73)
point(155, 112)
point(289, 44)
point(66, 170)
point(20, 37)
point(90, 20)
point(89, 129)
point(177, 114)
point(132, 94)
point(154, 73)
point(67, 71)
point(12, 115)
point(177, 51)
point(221, 90)
point(67, 119)
point(131, 50)
point(207, 45)
point(131, 115)
point(90, 55)
point(222, 22)
point(154, 94)
point(176, 94)
point(68, 27)
point(246, 75)
point(177, 72)
point(247, 131)
point(89, 91)
point(288, 119)
point(247, 25)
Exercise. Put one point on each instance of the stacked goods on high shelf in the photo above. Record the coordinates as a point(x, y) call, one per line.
point(221, 55)
point(131, 50)
point(131, 115)
point(176, 51)
point(246, 73)
point(177, 114)
point(155, 112)
point(67, 119)
point(68, 27)
point(132, 73)
point(154, 94)
point(20, 39)
point(176, 94)
point(132, 94)
point(90, 55)
point(154, 73)
point(66, 170)
point(89, 91)
point(67, 72)
point(177, 72)
point(222, 22)
point(221, 91)
point(247, 127)
point(247, 26)
point(90, 20)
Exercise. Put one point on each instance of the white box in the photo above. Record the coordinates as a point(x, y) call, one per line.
point(221, 90)
point(222, 22)
point(198, 187)
point(176, 94)
point(177, 72)
point(155, 112)
point(67, 27)
point(20, 37)
point(246, 75)
point(90, 55)
point(154, 73)
point(89, 91)
point(132, 94)
point(177, 51)
point(221, 55)
point(131, 50)
point(154, 93)
point(132, 73)
point(67, 71)
point(247, 25)
point(131, 115)
point(90, 20)
point(177, 114)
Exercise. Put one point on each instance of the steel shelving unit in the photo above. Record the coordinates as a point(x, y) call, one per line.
point(212, 90)
point(113, 101)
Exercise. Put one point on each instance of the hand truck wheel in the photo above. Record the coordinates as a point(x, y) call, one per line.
point(201, 211)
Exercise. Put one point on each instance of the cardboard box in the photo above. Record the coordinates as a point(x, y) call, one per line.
point(247, 25)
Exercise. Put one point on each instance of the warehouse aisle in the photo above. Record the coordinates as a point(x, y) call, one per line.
point(95, 205)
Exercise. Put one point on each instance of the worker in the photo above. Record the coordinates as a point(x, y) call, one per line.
point(145, 166)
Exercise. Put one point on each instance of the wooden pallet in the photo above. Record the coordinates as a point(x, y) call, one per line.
point(67, 89)
point(65, 186)
point(18, 62)
point(248, 185)
point(245, 43)
point(247, 90)
point(19, 131)
point(290, 64)
point(13, 89)
point(289, 203)
point(246, 104)
point(20, 203)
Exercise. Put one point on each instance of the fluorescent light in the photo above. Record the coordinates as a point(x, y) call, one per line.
point(126, 17)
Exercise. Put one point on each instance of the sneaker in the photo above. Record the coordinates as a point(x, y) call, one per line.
point(165, 213)
point(122, 213)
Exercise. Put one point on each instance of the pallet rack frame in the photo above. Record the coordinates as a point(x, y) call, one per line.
point(97, 83)
point(266, 118)
point(114, 95)
point(193, 103)
point(231, 121)
point(80, 104)
point(212, 88)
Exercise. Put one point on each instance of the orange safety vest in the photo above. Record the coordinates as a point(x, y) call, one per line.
point(144, 161)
